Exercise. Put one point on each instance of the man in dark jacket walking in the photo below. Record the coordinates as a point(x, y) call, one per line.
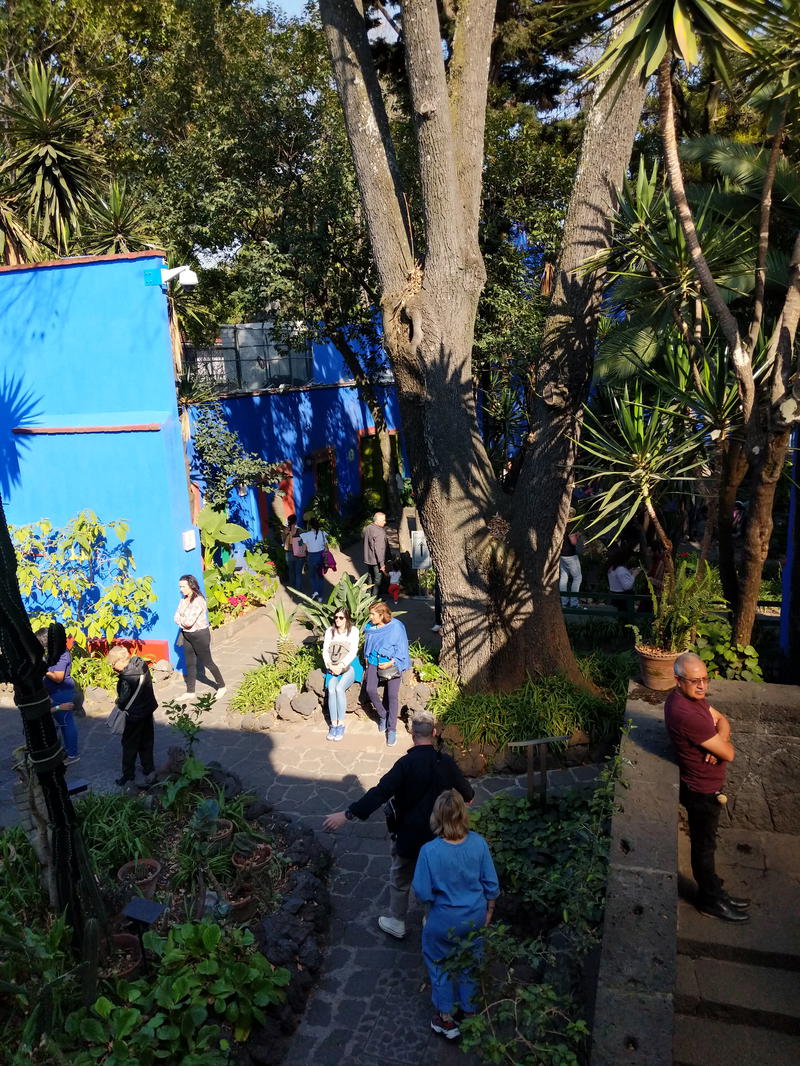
point(412, 784)
point(135, 696)
point(375, 548)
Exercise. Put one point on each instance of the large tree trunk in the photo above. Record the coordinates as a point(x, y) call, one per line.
point(558, 385)
point(496, 559)
point(757, 535)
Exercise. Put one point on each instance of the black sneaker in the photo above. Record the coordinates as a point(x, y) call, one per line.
point(121, 782)
point(445, 1026)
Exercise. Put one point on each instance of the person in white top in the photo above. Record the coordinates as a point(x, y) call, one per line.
point(342, 666)
point(394, 579)
point(192, 617)
point(316, 543)
point(620, 579)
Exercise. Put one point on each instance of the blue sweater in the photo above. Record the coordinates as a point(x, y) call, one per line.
point(382, 643)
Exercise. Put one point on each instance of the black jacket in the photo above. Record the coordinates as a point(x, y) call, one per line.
point(135, 690)
point(414, 782)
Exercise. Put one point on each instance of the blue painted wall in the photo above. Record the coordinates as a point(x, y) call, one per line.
point(86, 343)
point(290, 425)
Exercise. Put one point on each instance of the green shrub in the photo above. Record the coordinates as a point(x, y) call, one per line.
point(92, 669)
point(117, 829)
point(734, 662)
point(206, 977)
point(551, 706)
point(260, 688)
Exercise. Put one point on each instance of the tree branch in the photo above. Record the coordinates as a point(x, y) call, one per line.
point(740, 355)
point(370, 139)
point(444, 215)
point(763, 231)
point(468, 79)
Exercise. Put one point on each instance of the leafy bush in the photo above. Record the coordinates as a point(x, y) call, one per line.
point(556, 858)
point(519, 1021)
point(683, 605)
point(735, 662)
point(231, 589)
point(206, 978)
point(220, 460)
point(427, 579)
point(92, 669)
point(551, 706)
point(81, 576)
point(261, 687)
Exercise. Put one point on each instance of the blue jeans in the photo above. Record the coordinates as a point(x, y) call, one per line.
point(294, 571)
point(69, 732)
point(570, 570)
point(337, 695)
point(318, 582)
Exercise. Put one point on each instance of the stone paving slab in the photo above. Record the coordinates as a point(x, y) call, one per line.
point(760, 876)
point(706, 1042)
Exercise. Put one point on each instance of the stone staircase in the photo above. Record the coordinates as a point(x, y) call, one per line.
point(737, 996)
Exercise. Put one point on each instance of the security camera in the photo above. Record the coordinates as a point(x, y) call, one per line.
point(185, 275)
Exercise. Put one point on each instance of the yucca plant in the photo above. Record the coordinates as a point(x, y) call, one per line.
point(47, 158)
point(283, 619)
point(633, 455)
point(117, 223)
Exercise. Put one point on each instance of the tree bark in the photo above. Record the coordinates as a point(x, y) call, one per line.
point(757, 535)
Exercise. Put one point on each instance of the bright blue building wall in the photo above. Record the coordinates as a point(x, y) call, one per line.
point(85, 344)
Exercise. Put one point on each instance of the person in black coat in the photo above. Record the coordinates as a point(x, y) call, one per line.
point(413, 785)
point(135, 696)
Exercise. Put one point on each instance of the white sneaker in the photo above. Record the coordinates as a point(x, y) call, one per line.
point(436, 629)
point(393, 926)
point(221, 692)
point(188, 697)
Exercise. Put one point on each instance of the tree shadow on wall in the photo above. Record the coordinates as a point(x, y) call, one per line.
point(19, 409)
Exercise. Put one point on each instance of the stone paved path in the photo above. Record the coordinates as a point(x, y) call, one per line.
point(371, 1007)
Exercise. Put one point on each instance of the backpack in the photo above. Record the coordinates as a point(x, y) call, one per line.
point(299, 550)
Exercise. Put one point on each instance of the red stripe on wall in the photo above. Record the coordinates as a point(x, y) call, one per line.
point(146, 427)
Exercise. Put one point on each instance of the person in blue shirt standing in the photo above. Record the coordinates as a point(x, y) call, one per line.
point(386, 655)
point(456, 879)
point(60, 686)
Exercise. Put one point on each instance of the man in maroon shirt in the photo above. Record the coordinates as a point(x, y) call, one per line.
point(701, 737)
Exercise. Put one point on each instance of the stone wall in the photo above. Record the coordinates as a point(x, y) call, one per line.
point(633, 1011)
point(763, 783)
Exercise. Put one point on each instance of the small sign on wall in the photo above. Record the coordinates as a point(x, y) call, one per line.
point(189, 539)
point(420, 558)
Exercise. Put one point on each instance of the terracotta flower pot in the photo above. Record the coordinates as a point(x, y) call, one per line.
point(656, 667)
point(143, 873)
point(244, 905)
point(257, 860)
point(126, 955)
point(220, 835)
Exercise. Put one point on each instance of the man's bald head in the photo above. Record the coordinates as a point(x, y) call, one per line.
point(691, 675)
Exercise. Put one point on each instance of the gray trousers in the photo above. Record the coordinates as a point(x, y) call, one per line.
point(401, 875)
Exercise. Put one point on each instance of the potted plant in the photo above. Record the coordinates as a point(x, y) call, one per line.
point(140, 874)
point(685, 601)
point(207, 825)
point(123, 958)
point(250, 853)
point(242, 899)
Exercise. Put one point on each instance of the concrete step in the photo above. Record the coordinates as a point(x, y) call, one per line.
point(705, 1042)
point(757, 996)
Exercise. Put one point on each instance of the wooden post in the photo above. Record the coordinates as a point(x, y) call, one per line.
point(541, 744)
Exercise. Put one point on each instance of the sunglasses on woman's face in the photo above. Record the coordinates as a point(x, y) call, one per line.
point(339, 617)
